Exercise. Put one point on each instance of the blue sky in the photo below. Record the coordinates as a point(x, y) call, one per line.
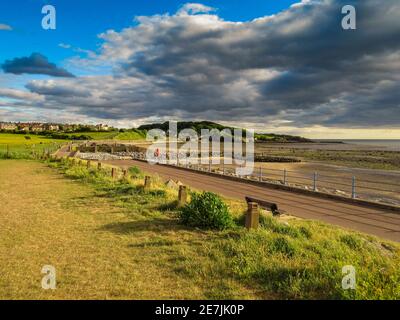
point(80, 21)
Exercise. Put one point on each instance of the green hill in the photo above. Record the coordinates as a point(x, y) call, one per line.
point(199, 125)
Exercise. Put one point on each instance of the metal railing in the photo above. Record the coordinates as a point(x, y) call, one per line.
point(349, 185)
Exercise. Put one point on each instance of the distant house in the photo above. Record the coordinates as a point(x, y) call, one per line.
point(52, 127)
point(23, 127)
point(67, 127)
point(8, 126)
point(102, 127)
point(36, 127)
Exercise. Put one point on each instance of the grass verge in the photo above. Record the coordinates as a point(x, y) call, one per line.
point(292, 259)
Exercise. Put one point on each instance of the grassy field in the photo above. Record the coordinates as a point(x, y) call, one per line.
point(113, 135)
point(111, 239)
point(131, 135)
point(96, 135)
point(22, 145)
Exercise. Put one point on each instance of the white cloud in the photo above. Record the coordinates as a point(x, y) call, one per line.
point(194, 8)
point(5, 27)
point(64, 45)
point(20, 95)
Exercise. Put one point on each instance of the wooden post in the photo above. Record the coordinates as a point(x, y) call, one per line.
point(99, 166)
point(315, 182)
point(125, 171)
point(252, 216)
point(88, 164)
point(182, 196)
point(147, 183)
point(113, 172)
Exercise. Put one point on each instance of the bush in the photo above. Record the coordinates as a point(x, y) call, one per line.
point(135, 171)
point(206, 210)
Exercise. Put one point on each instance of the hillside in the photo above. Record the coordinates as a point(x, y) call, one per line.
point(199, 125)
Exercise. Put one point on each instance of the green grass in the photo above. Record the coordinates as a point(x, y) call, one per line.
point(97, 135)
point(111, 239)
point(20, 146)
point(131, 135)
point(294, 259)
point(114, 135)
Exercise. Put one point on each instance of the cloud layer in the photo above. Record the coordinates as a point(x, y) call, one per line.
point(5, 27)
point(298, 68)
point(36, 63)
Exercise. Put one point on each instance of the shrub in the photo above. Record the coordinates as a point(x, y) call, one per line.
point(135, 171)
point(206, 210)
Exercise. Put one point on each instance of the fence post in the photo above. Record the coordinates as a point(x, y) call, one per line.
point(252, 216)
point(353, 188)
point(99, 166)
point(284, 177)
point(147, 183)
point(113, 172)
point(182, 196)
point(125, 172)
point(315, 182)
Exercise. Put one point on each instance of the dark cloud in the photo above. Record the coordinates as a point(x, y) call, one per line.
point(298, 67)
point(34, 64)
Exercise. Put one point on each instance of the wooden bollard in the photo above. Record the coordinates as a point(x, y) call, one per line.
point(182, 196)
point(88, 164)
point(252, 216)
point(125, 172)
point(99, 166)
point(113, 173)
point(147, 183)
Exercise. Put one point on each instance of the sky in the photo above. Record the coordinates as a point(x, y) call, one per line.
point(274, 66)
